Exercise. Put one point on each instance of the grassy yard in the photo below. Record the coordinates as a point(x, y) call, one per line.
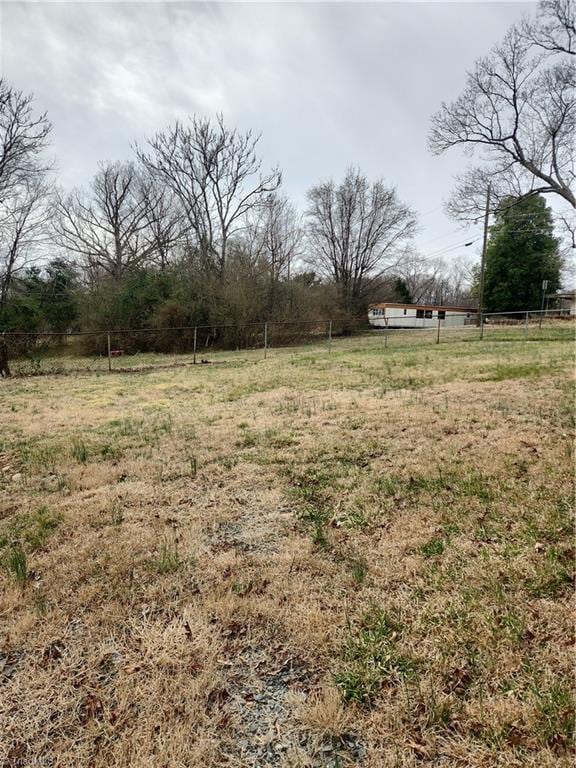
point(361, 558)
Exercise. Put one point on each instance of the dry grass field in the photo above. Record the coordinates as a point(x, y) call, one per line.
point(361, 558)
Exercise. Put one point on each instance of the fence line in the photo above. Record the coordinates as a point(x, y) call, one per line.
point(170, 328)
point(125, 349)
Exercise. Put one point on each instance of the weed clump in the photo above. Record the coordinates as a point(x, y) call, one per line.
point(168, 559)
point(33, 529)
point(434, 547)
point(310, 489)
point(15, 563)
point(372, 658)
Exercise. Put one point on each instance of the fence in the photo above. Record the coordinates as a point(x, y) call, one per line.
point(141, 349)
point(504, 326)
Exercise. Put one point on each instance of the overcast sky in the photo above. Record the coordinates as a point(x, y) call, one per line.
point(327, 84)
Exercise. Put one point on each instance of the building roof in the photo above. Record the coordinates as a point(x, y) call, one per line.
point(442, 307)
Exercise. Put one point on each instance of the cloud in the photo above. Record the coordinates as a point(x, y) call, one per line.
point(327, 84)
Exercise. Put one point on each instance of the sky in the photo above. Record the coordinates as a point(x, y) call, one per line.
point(328, 85)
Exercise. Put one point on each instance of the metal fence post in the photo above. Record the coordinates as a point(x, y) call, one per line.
point(265, 340)
point(109, 351)
point(330, 336)
point(438, 331)
point(481, 325)
point(194, 348)
point(526, 325)
point(385, 333)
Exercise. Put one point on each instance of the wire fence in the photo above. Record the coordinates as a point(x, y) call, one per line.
point(29, 354)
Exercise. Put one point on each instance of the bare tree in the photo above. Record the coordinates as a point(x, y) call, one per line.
point(518, 110)
point(461, 277)
point(566, 229)
point(107, 227)
point(165, 221)
point(216, 175)
point(23, 184)
point(355, 230)
point(420, 275)
point(23, 233)
point(23, 139)
point(554, 28)
point(275, 234)
point(567, 226)
point(434, 281)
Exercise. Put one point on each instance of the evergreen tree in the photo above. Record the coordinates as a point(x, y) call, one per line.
point(43, 299)
point(402, 291)
point(22, 312)
point(475, 281)
point(59, 296)
point(128, 303)
point(522, 252)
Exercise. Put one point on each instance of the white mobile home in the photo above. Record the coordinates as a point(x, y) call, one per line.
point(418, 316)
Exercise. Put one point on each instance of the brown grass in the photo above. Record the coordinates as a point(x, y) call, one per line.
point(355, 559)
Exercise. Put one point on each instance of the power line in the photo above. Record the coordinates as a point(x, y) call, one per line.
point(456, 246)
point(434, 210)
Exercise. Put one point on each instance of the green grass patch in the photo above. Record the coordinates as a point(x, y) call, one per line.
point(556, 714)
point(506, 371)
point(79, 451)
point(554, 573)
point(433, 548)
point(32, 529)
point(168, 559)
point(15, 562)
point(372, 658)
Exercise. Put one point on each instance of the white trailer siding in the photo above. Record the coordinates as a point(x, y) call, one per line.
point(414, 316)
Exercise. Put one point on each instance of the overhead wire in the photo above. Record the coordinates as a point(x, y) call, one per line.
point(456, 246)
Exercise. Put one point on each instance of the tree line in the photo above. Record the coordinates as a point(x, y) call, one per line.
point(193, 230)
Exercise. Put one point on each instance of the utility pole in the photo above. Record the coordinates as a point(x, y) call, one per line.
point(544, 289)
point(288, 277)
point(483, 262)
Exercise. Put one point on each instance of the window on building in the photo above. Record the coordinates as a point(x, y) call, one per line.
point(428, 314)
point(441, 314)
point(405, 311)
point(419, 313)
